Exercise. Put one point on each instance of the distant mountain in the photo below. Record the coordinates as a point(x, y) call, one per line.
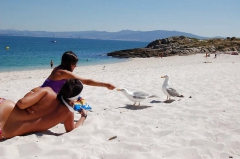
point(127, 35)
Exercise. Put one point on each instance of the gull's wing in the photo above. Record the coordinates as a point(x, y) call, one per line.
point(172, 92)
point(140, 95)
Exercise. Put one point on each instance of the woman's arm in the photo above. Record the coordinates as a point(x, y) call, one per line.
point(67, 74)
point(31, 98)
point(29, 109)
point(35, 89)
point(69, 122)
point(32, 91)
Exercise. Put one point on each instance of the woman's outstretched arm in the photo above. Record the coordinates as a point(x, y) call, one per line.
point(67, 74)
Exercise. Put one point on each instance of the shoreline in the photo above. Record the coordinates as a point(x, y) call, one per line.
point(203, 124)
point(46, 67)
point(111, 60)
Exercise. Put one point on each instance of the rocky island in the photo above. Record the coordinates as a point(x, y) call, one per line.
point(181, 45)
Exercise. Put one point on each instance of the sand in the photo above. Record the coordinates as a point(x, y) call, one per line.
point(205, 124)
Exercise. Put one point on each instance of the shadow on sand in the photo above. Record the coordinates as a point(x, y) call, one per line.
point(48, 132)
point(166, 101)
point(134, 107)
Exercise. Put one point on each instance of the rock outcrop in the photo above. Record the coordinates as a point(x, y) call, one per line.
point(179, 45)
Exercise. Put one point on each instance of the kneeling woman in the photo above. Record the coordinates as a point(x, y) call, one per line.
point(47, 110)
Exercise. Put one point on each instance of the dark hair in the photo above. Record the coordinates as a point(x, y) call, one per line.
point(68, 58)
point(70, 88)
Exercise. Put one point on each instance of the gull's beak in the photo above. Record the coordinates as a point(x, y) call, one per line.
point(119, 89)
point(163, 77)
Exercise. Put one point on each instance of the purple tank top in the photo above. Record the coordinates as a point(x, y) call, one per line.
point(55, 85)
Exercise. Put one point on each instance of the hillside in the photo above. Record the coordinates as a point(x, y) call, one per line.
point(180, 45)
point(125, 35)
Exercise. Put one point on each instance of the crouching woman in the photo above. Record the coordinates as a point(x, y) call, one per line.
point(46, 108)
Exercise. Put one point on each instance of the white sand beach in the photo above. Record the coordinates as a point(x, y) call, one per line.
point(205, 124)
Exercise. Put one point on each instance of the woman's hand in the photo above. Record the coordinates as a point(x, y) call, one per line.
point(29, 111)
point(110, 86)
point(83, 113)
point(82, 119)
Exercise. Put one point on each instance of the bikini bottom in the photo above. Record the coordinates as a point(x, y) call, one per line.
point(1, 100)
point(1, 136)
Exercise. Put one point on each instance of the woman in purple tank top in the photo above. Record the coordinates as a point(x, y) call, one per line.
point(65, 71)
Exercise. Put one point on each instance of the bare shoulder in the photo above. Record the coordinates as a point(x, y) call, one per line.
point(63, 71)
point(60, 73)
point(66, 74)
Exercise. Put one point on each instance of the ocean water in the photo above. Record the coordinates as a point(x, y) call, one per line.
point(27, 53)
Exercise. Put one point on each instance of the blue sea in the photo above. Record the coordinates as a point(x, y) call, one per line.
point(29, 53)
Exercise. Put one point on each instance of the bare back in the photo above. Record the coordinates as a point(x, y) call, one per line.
point(48, 112)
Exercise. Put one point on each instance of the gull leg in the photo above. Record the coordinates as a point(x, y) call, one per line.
point(139, 103)
point(134, 103)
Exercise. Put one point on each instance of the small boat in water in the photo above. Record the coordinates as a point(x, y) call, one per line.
point(53, 41)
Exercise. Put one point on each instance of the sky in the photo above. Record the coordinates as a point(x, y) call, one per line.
point(200, 17)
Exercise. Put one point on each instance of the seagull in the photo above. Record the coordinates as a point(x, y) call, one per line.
point(136, 96)
point(168, 90)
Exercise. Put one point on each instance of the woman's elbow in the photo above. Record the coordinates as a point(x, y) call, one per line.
point(20, 104)
point(70, 129)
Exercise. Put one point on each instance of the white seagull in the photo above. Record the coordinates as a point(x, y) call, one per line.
point(136, 96)
point(168, 90)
